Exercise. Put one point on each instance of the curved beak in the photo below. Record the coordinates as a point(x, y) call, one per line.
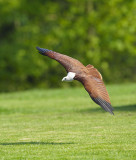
point(62, 79)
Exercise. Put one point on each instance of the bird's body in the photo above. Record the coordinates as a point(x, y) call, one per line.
point(87, 75)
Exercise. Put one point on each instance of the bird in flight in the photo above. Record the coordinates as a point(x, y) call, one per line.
point(89, 76)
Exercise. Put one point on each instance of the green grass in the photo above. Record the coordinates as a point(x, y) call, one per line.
point(65, 124)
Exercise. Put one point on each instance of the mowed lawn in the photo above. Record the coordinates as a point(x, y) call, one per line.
point(65, 124)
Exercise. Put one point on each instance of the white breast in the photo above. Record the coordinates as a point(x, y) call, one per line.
point(70, 76)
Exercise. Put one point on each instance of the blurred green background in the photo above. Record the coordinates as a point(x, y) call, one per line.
point(97, 32)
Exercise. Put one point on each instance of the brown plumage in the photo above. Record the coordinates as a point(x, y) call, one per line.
point(88, 76)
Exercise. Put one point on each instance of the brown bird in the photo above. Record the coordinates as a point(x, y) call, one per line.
point(89, 76)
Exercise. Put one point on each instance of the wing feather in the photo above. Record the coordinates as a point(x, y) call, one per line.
point(97, 91)
point(69, 63)
point(93, 71)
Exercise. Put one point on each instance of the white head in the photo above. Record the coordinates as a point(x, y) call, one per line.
point(70, 76)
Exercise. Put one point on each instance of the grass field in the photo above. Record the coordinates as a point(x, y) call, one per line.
point(64, 124)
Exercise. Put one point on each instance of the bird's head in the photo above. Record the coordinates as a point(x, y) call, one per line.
point(70, 77)
point(64, 79)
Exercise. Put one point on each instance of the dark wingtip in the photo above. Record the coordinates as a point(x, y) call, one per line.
point(104, 104)
point(42, 50)
point(111, 112)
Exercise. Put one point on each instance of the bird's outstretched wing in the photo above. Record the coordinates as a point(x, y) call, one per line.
point(97, 91)
point(69, 63)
